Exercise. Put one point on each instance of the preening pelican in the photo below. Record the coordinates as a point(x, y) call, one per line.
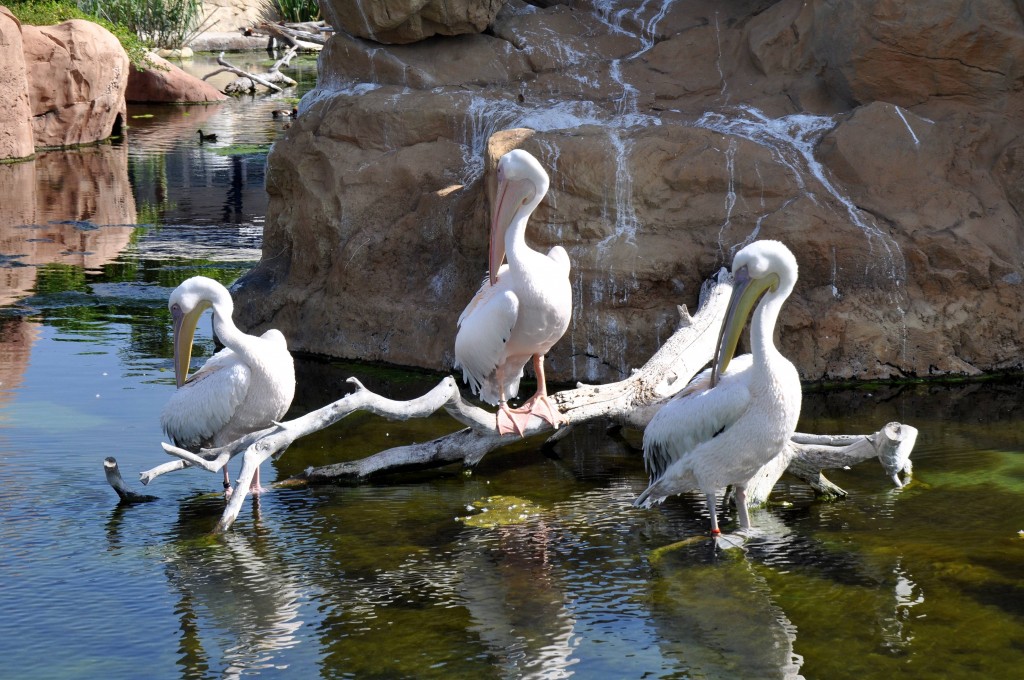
point(240, 389)
point(522, 308)
point(731, 419)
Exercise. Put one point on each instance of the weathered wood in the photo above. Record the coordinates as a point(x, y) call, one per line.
point(228, 67)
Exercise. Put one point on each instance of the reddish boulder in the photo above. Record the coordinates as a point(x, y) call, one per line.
point(15, 130)
point(77, 75)
point(165, 83)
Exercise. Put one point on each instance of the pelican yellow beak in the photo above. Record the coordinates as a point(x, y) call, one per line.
point(511, 196)
point(184, 331)
point(746, 292)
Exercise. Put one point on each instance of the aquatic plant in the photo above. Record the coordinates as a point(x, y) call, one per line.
point(168, 24)
point(297, 10)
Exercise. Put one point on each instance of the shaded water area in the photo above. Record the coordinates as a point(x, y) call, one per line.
point(534, 564)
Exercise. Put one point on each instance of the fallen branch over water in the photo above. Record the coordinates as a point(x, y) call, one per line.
point(632, 402)
point(239, 85)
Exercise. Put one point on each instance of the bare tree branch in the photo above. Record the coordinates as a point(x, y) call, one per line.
point(231, 68)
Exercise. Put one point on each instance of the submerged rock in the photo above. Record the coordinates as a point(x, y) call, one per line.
point(674, 133)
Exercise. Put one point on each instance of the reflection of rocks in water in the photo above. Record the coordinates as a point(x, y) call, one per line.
point(16, 338)
point(68, 207)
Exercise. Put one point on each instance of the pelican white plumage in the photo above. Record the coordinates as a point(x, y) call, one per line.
point(522, 308)
point(732, 418)
point(240, 389)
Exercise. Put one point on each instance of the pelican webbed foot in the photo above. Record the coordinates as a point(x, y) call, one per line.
point(512, 420)
point(515, 420)
point(541, 406)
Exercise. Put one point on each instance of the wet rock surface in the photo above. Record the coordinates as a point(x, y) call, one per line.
point(881, 142)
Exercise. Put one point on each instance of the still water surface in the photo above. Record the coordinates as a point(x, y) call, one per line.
point(409, 576)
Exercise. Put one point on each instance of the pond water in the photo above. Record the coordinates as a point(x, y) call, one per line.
point(534, 564)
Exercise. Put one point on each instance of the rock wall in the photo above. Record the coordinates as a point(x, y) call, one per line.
point(882, 141)
point(401, 22)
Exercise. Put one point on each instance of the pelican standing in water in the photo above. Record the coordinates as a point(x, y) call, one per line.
point(522, 309)
point(731, 419)
point(240, 389)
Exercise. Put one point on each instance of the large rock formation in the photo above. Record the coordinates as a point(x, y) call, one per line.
point(882, 141)
point(16, 139)
point(77, 75)
point(400, 22)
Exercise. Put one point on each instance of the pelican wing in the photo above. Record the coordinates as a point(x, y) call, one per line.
point(201, 407)
point(696, 415)
point(484, 330)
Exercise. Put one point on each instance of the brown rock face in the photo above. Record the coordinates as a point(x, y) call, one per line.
point(165, 83)
point(77, 75)
point(16, 130)
point(881, 141)
point(399, 22)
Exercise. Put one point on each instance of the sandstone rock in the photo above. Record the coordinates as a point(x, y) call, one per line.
point(674, 133)
point(405, 21)
point(225, 22)
point(77, 75)
point(907, 54)
point(165, 83)
point(16, 139)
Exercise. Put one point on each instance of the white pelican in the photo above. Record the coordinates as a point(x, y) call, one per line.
point(522, 309)
point(240, 389)
point(712, 435)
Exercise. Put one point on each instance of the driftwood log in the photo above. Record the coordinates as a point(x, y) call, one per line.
point(632, 402)
point(246, 82)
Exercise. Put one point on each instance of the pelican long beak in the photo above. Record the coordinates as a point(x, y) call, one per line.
point(184, 331)
point(746, 292)
point(511, 196)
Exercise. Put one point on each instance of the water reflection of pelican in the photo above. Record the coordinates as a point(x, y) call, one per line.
point(238, 604)
point(516, 603)
point(719, 619)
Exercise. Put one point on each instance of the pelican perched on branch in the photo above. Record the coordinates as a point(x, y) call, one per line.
point(522, 309)
point(240, 389)
point(731, 419)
